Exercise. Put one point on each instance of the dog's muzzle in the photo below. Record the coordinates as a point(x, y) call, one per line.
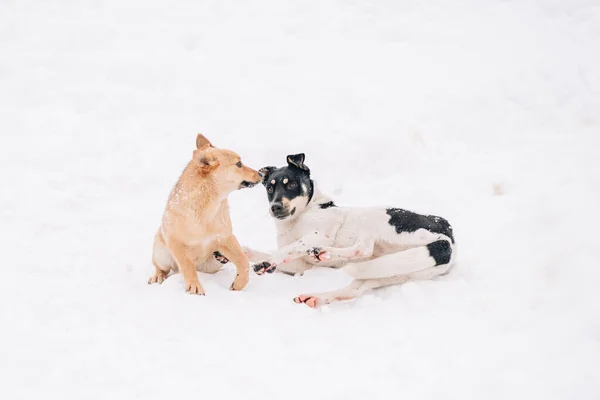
point(280, 212)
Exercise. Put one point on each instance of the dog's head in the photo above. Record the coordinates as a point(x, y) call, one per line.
point(289, 188)
point(224, 166)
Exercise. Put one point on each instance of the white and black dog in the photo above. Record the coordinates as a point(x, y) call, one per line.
point(376, 246)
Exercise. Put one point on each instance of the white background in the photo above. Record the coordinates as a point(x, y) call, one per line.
point(432, 106)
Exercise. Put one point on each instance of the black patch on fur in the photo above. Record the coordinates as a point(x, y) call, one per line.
point(408, 221)
point(323, 206)
point(440, 251)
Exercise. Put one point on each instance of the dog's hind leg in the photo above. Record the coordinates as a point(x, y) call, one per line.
point(220, 258)
point(185, 261)
point(430, 273)
point(161, 259)
point(437, 254)
point(159, 275)
point(210, 266)
point(355, 289)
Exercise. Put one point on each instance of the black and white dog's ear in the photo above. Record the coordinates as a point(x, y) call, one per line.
point(265, 172)
point(297, 160)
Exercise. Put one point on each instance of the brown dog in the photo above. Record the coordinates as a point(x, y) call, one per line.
point(196, 222)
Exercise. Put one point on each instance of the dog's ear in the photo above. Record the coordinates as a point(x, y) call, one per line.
point(206, 160)
point(265, 172)
point(297, 160)
point(202, 143)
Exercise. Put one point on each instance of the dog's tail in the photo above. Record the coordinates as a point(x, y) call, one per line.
point(439, 254)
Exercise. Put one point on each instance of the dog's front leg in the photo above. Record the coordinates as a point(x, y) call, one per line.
point(361, 249)
point(300, 248)
point(291, 252)
point(185, 261)
point(231, 249)
point(294, 267)
point(255, 255)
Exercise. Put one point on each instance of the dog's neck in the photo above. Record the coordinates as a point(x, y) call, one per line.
point(317, 199)
point(204, 191)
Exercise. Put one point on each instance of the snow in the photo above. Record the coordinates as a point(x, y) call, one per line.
point(486, 113)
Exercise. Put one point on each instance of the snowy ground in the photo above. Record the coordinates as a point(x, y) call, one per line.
point(487, 113)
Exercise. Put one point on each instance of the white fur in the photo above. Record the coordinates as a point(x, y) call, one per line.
point(400, 263)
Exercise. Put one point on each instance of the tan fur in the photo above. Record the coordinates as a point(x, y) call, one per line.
point(196, 219)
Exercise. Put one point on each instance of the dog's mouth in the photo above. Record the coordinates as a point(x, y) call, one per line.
point(247, 184)
point(284, 215)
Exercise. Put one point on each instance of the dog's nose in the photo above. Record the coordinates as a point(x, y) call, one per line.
point(276, 208)
point(260, 174)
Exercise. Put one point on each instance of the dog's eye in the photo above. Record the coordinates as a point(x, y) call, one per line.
point(270, 189)
point(292, 185)
point(239, 164)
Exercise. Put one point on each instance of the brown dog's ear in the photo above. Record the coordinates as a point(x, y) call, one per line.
point(297, 160)
point(265, 172)
point(206, 160)
point(202, 143)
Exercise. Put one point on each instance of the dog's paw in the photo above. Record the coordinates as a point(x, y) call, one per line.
point(220, 257)
point(195, 288)
point(309, 300)
point(239, 282)
point(158, 277)
point(318, 254)
point(263, 267)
